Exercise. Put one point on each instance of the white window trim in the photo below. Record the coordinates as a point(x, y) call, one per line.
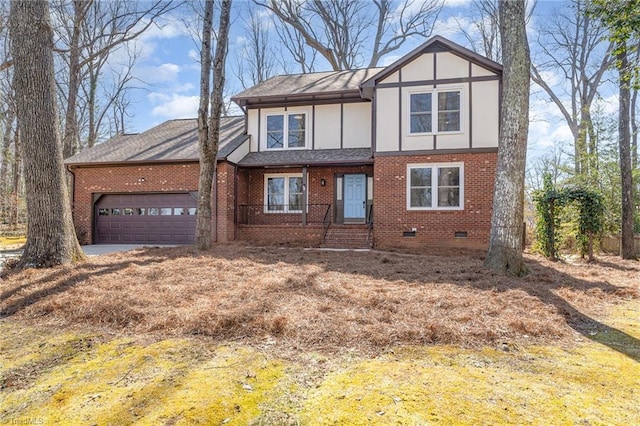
point(434, 110)
point(286, 115)
point(434, 185)
point(286, 176)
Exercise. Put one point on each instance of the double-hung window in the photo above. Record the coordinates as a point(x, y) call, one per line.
point(441, 116)
point(435, 186)
point(283, 193)
point(287, 130)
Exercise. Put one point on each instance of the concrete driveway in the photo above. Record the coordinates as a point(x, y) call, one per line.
point(89, 250)
point(99, 249)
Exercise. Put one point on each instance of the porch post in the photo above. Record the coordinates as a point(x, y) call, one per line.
point(304, 195)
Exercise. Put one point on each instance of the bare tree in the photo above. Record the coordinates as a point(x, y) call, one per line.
point(256, 61)
point(209, 130)
point(293, 42)
point(51, 238)
point(485, 20)
point(112, 24)
point(506, 239)
point(349, 34)
point(574, 45)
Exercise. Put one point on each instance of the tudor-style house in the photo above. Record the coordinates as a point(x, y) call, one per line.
point(400, 156)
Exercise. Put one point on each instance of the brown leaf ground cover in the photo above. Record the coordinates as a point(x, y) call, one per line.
point(321, 300)
point(271, 336)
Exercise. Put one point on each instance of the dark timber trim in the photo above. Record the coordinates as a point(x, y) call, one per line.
point(436, 82)
point(436, 152)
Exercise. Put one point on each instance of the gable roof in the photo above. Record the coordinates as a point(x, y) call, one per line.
point(312, 86)
point(173, 140)
point(434, 44)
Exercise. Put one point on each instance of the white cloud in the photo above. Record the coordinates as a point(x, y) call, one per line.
point(608, 105)
point(163, 73)
point(174, 105)
point(456, 3)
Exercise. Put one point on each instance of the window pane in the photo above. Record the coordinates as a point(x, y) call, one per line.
point(449, 111)
point(420, 197)
point(295, 202)
point(449, 101)
point(295, 184)
point(448, 197)
point(165, 211)
point(179, 211)
point(421, 123)
point(295, 193)
point(448, 121)
point(421, 177)
point(116, 212)
point(449, 176)
point(275, 131)
point(275, 194)
point(191, 211)
point(141, 211)
point(154, 211)
point(297, 123)
point(127, 211)
point(275, 185)
point(103, 212)
point(420, 102)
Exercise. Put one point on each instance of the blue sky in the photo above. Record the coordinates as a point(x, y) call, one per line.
point(168, 67)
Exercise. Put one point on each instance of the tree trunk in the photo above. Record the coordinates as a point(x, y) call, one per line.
point(4, 164)
point(505, 241)
point(51, 239)
point(15, 185)
point(207, 164)
point(208, 161)
point(627, 250)
point(634, 129)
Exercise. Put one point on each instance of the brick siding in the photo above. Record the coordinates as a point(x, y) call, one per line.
point(246, 186)
point(124, 179)
point(433, 228)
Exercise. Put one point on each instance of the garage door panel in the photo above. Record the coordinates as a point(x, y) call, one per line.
point(146, 218)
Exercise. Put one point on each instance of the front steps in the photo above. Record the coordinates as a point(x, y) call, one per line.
point(348, 237)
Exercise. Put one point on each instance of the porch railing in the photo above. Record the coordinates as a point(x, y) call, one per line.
point(370, 224)
point(258, 214)
point(326, 222)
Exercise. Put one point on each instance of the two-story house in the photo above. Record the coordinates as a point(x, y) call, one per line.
point(399, 156)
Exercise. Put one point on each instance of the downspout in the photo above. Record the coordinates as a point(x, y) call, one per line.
point(235, 202)
point(305, 196)
point(215, 201)
point(73, 201)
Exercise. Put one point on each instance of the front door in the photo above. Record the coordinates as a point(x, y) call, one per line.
point(355, 197)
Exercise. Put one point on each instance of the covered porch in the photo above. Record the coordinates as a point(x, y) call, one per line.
point(298, 203)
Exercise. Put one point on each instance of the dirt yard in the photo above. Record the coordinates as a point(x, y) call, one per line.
point(272, 335)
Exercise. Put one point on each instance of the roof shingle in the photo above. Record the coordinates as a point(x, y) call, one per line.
point(171, 140)
point(308, 84)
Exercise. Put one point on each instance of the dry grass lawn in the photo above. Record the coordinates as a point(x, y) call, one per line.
point(277, 336)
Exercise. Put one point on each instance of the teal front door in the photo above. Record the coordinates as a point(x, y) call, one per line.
point(355, 197)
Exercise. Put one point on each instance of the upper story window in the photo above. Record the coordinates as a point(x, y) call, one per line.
point(442, 116)
point(286, 130)
point(435, 186)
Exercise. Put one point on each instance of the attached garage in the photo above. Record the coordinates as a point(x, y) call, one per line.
point(161, 218)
